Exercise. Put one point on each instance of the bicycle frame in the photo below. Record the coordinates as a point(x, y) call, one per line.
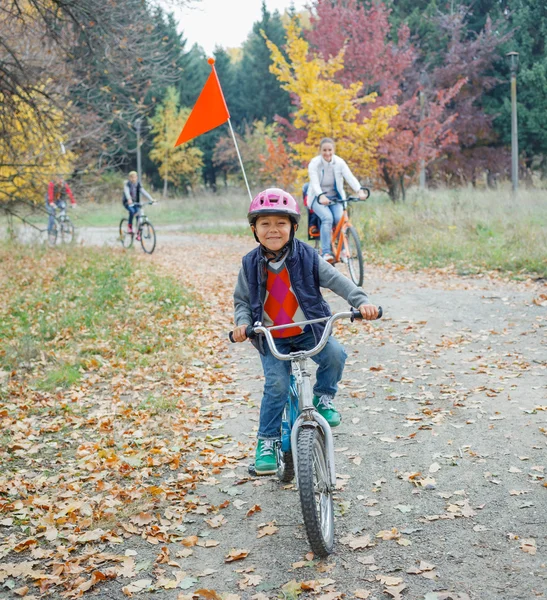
point(339, 231)
point(309, 416)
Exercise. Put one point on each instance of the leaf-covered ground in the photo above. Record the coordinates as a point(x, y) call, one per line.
point(129, 477)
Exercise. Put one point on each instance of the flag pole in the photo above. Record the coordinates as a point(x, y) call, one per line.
point(240, 161)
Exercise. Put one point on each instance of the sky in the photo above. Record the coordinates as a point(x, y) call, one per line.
point(225, 23)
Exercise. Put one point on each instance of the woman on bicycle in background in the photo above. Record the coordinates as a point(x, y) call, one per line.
point(132, 190)
point(57, 192)
point(327, 173)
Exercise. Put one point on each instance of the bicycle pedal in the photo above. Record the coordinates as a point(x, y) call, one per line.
point(251, 469)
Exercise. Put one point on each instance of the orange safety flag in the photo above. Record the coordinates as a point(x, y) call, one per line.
point(209, 111)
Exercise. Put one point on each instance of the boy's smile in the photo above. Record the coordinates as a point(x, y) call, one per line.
point(273, 231)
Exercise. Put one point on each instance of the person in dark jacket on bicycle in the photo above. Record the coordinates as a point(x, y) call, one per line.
point(132, 190)
point(279, 283)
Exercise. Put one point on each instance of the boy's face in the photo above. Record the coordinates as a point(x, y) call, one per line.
point(133, 178)
point(273, 231)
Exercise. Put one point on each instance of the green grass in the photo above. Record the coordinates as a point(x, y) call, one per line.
point(66, 312)
point(471, 230)
point(203, 212)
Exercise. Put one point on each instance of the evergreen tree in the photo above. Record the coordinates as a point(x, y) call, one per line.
point(528, 19)
point(259, 95)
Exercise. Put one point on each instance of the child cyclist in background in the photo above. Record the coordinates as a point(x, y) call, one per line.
point(132, 190)
point(279, 283)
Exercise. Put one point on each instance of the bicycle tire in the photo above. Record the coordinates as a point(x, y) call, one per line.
point(316, 495)
point(148, 237)
point(126, 238)
point(52, 235)
point(67, 231)
point(355, 263)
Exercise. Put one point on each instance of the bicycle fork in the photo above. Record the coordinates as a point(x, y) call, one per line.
point(309, 417)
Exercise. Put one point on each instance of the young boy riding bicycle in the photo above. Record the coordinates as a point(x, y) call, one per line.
point(279, 283)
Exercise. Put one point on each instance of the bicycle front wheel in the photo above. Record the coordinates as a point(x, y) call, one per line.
point(316, 494)
point(148, 237)
point(354, 256)
point(67, 231)
point(126, 237)
point(52, 234)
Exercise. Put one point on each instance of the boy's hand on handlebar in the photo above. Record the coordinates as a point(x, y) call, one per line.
point(369, 312)
point(239, 334)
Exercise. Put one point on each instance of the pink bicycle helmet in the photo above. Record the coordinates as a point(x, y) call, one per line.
point(273, 201)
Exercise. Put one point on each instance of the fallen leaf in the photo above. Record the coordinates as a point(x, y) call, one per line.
point(387, 580)
point(216, 521)
point(256, 508)
point(189, 541)
point(529, 546)
point(135, 587)
point(207, 594)
point(236, 554)
point(268, 529)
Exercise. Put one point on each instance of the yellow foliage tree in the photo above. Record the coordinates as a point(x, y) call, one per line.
point(31, 149)
point(180, 165)
point(326, 108)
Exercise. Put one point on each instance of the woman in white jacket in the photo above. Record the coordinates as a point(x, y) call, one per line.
point(327, 173)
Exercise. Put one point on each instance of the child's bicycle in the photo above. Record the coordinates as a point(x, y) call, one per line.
point(63, 229)
point(306, 449)
point(143, 230)
point(345, 240)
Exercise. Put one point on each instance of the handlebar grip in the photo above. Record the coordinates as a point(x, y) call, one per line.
point(249, 332)
point(357, 315)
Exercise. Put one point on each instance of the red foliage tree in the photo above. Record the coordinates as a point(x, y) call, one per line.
point(476, 150)
point(277, 169)
point(391, 69)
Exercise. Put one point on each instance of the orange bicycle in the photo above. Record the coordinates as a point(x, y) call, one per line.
point(346, 245)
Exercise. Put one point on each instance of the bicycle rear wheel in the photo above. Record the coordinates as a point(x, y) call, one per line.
point(315, 491)
point(354, 258)
point(67, 231)
point(126, 238)
point(148, 237)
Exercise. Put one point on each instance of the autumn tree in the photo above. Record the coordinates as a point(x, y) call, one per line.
point(255, 148)
point(178, 165)
point(325, 107)
point(101, 63)
point(31, 149)
point(393, 70)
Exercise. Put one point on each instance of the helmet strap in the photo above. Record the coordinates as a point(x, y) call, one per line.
point(277, 256)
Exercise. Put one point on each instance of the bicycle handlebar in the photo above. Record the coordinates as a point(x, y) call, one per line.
point(253, 331)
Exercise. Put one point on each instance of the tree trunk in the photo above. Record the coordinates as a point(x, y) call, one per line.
point(392, 185)
point(402, 187)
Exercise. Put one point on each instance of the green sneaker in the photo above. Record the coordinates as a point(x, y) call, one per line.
point(265, 458)
point(326, 409)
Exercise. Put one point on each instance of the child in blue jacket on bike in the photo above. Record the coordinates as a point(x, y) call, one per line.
point(278, 284)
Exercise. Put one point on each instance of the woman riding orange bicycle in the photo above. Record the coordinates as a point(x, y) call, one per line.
point(327, 173)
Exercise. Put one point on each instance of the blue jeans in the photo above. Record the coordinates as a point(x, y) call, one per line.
point(51, 210)
point(330, 216)
point(133, 209)
point(330, 363)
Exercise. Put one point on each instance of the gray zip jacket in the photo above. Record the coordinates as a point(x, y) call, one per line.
point(329, 278)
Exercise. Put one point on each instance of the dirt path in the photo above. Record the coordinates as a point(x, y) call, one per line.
point(441, 453)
